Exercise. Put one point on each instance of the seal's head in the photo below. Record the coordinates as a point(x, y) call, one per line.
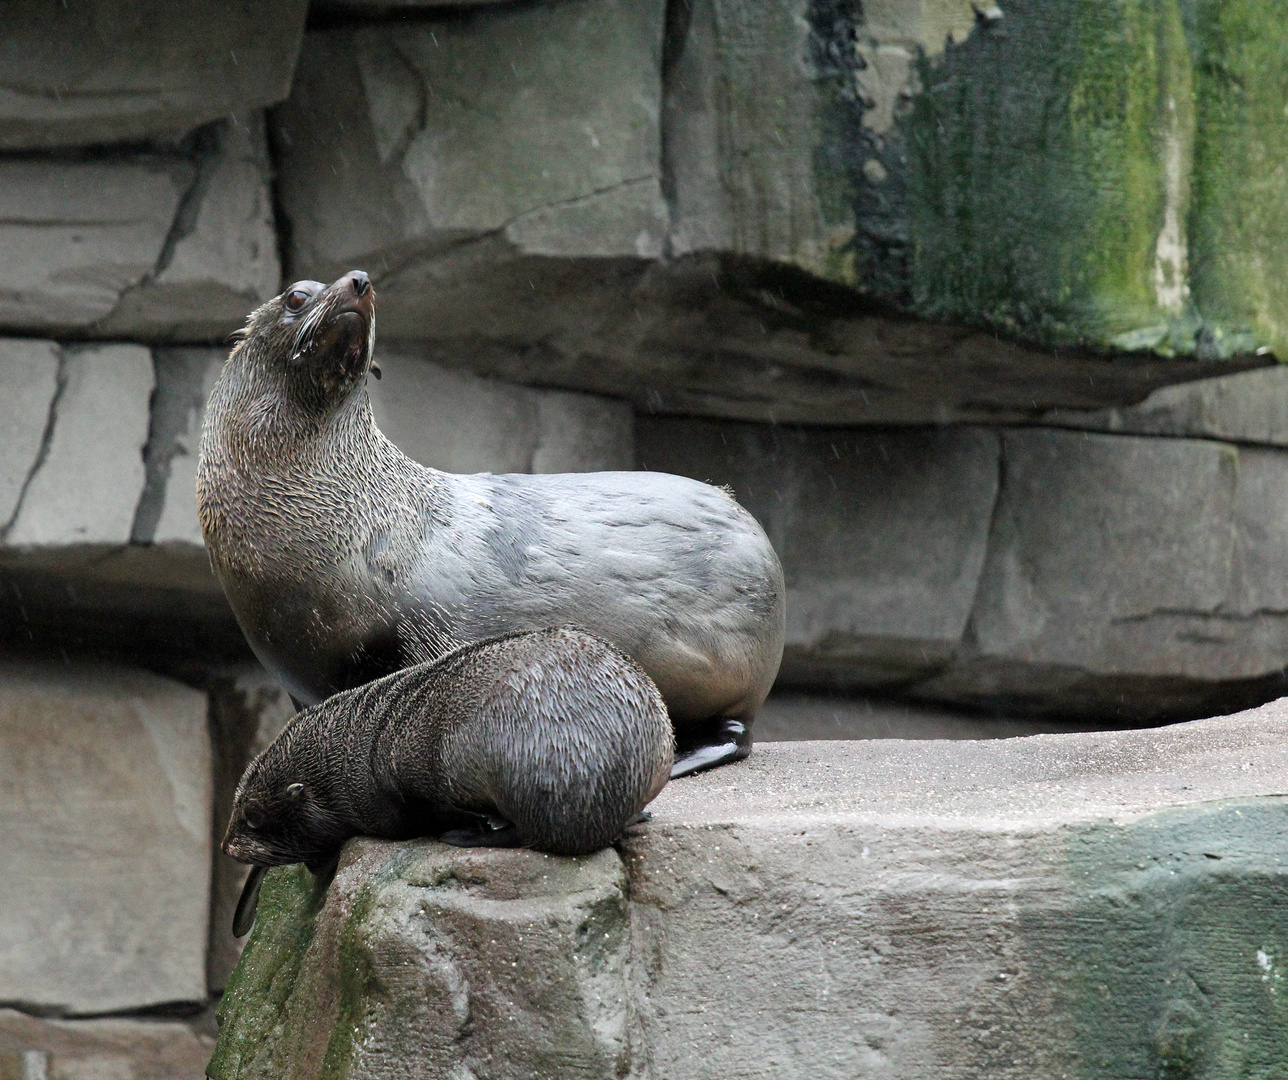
point(288, 807)
point(320, 337)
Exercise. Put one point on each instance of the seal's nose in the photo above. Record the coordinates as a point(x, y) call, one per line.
point(360, 282)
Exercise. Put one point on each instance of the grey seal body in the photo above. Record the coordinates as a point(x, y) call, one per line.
point(345, 560)
point(552, 739)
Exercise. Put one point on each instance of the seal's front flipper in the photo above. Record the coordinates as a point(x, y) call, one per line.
point(244, 916)
point(491, 831)
point(730, 741)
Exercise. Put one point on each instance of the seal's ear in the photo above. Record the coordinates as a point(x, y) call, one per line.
point(295, 792)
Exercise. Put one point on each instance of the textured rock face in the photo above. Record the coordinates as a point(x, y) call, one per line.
point(1146, 567)
point(807, 171)
point(1251, 407)
point(1029, 570)
point(100, 72)
point(175, 245)
point(1103, 904)
point(105, 794)
point(81, 483)
point(456, 963)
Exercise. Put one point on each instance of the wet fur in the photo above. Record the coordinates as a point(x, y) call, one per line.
point(345, 560)
point(555, 732)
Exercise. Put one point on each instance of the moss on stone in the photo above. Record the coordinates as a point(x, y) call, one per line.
point(1171, 961)
point(1239, 222)
point(260, 987)
point(1039, 173)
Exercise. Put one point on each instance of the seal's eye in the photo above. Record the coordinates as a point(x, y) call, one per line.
point(296, 299)
point(295, 792)
point(254, 817)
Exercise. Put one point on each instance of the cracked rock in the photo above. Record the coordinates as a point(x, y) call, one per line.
point(105, 795)
point(85, 480)
point(159, 246)
point(98, 71)
point(536, 125)
point(28, 383)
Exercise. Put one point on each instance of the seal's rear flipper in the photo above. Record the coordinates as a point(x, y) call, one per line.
point(244, 916)
point(731, 741)
point(490, 831)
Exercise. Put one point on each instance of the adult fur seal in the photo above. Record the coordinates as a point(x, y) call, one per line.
point(551, 739)
point(345, 560)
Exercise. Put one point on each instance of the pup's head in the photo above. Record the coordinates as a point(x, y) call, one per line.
point(288, 806)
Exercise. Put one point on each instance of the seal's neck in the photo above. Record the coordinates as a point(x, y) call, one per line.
point(258, 419)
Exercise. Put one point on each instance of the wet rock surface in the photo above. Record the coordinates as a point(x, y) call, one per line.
point(1102, 901)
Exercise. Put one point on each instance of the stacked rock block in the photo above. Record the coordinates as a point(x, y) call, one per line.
point(976, 307)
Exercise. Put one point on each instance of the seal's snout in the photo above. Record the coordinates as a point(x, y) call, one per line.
point(359, 282)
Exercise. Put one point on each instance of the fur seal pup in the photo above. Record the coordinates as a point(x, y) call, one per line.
point(344, 560)
point(551, 739)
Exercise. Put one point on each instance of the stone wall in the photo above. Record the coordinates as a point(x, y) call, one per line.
point(1012, 419)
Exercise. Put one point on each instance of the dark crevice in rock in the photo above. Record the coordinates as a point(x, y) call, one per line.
point(178, 392)
point(203, 147)
point(46, 440)
point(675, 32)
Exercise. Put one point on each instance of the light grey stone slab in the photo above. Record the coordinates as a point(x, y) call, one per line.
point(105, 793)
point(882, 534)
point(116, 1049)
point(28, 383)
point(1251, 407)
point(98, 71)
point(88, 482)
point(1128, 576)
point(78, 234)
point(1105, 902)
point(162, 246)
point(459, 422)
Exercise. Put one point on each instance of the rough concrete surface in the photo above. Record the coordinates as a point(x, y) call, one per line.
point(98, 72)
point(455, 963)
point(1100, 904)
point(105, 795)
point(115, 1049)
